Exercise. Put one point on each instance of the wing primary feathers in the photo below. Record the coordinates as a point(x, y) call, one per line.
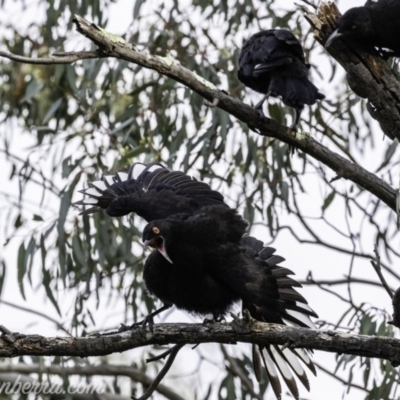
point(286, 282)
point(135, 170)
point(279, 272)
point(266, 253)
point(274, 260)
point(291, 295)
point(108, 180)
point(99, 185)
point(299, 318)
point(91, 210)
point(151, 191)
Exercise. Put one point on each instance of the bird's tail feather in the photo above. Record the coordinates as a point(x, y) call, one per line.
point(294, 311)
point(295, 91)
point(284, 362)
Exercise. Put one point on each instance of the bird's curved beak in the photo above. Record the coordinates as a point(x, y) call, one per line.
point(333, 36)
point(158, 245)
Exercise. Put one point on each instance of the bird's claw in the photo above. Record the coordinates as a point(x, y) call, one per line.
point(141, 325)
point(212, 320)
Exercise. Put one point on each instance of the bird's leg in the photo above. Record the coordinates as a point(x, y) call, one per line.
point(146, 320)
point(296, 119)
point(294, 127)
point(259, 105)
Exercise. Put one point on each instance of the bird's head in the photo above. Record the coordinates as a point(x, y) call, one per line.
point(155, 234)
point(355, 22)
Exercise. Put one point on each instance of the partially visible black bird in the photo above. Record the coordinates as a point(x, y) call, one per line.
point(272, 62)
point(376, 24)
point(203, 263)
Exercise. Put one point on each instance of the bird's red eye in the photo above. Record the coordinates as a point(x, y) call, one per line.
point(155, 230)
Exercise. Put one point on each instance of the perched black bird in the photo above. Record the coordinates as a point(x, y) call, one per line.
point(272, 62)
point(376, 24)
point(203, 263)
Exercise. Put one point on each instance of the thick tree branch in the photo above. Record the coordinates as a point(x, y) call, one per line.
point(368, 76)
point(113, 46)
point(16, 344)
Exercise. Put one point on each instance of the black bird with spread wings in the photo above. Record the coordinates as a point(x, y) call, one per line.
point(203, 263)
point(272, 62)
point(376, 24)
point(151, 191)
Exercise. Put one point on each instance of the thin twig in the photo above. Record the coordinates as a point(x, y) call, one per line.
point(377, 267)
point(147, 394)
point(309, 3)
point(344, 381)
point(343, 281)
point(29, 310)
point(56, 58)
point(159, 357)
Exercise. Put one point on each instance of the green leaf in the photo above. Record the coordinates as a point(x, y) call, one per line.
point(328, 200)
point(21, 269)
point(52, 110)
point(389, 154)
point(138, 4)
point(47, 279)
point(64, 207)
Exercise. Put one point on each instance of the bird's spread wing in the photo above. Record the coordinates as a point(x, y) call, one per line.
point(151, 191)
point(266, 288)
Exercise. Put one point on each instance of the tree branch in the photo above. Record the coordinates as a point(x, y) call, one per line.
point(16, 344)
point(344, 281)
point(368, 76)
point(56, 58)
point(162, 373)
